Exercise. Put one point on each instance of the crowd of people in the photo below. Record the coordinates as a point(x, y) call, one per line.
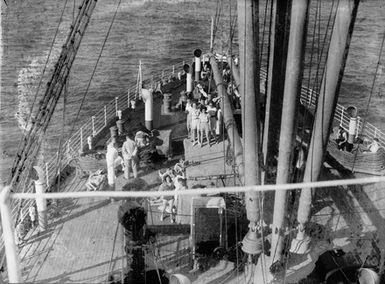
point(364, 144)
point(173, 179)
point(138, 150)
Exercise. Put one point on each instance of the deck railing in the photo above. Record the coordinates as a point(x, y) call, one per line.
point(78, 140)
point(309, 100)
point(108, 112)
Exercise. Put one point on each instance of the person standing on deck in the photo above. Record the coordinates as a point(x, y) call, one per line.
point(112, 158)
point(212, 111)
point(342, 138)
point(204, 119)
point(130, 156)
point(194, 123)
point(188, 118)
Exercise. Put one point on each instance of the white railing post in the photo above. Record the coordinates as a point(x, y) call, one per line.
point(8, 236)
point(47, 174)
point(310, 96)
point(375, 132)
point(342, 115)
point(128, 99)
point(173, 70)
point(81, 139)
point(105, 115)
point(93, 126)
point(116, 106)
point(68, 146)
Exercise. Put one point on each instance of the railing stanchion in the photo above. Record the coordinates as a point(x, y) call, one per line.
point(93, 126)
point(128, 99)
point(342, 115)
point(81, 139)
point(116, 106)
point(173, 70)
point(105, 115)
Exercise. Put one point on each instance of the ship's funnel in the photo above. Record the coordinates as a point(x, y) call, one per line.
point(251, 244)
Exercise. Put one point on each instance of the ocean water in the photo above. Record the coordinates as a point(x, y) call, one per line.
point(160, 33)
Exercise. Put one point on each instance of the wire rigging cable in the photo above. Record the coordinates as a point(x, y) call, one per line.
point(42, 74)
point(95, 67)
point(371, 92)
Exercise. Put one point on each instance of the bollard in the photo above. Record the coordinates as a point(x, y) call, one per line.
point(197, 54)
point(89, 142)
point(167, 103)
point(120, 126)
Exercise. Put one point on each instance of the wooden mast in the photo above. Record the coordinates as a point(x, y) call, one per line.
point(327, 101)
point(248, 25)
point(275, 80)
point(292, 90)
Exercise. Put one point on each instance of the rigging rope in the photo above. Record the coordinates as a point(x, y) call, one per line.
point(94, 70)
point(25, 133)
point(371, 93)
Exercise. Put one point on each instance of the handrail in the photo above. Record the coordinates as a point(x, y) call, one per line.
point(309, 99)
point(76, 142)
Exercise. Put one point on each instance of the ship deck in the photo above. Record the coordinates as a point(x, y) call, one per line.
point(84, 243)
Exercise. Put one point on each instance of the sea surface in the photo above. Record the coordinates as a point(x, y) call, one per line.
point(160, 34)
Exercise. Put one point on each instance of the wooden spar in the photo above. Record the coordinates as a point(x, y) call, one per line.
point(275, 80)
point(228, 117)
point(327, 101)
point(248, 25)
point(249, 90)
point(212, 35)
point(292, 91)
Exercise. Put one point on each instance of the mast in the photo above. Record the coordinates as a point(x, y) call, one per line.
point(248, 25)
point(275, 79)
point(327, 101)
point(292, 89)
